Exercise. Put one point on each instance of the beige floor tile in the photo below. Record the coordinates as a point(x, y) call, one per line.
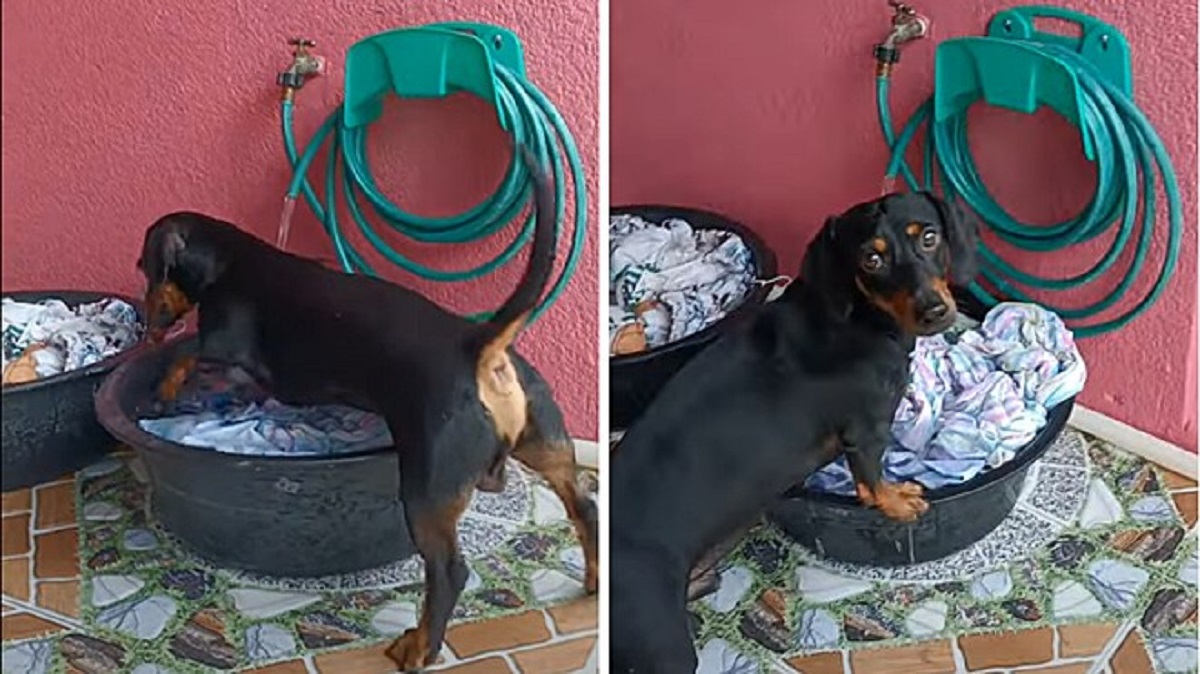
point(16, 578)
point(1174, 481)
point(576, 616)
point(1186, 503)
point(289, 667)
point(818, 663)
point(1009, 649)
point(1073, 668)
point(15, 501)
point(485, 666)
point(56, 554)
point(934, 657)
point(60, 596)
point(55, 506)
point(560, 658)
point(14, 535)
point(475, 638)
point(26, 626)
point(1081, 641)
point(1131, 657)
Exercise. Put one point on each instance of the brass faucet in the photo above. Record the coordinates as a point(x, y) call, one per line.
point(304, 65)
point(907, 25)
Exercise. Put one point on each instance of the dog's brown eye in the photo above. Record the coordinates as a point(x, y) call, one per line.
point(872, 262)
point(929, 239)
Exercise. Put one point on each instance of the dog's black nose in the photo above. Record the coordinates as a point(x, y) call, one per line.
point(935, 313)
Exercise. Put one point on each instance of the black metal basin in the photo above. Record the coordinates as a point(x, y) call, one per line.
point(635, 379)
point(282, 516)
point(50, 427)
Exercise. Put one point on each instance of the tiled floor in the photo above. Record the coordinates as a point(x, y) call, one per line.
point(1096, 567)
point(42, 607)
point(48, 625)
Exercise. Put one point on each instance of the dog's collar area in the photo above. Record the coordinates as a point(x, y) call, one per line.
point(778, 284)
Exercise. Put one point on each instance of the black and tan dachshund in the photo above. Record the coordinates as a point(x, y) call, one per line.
point(457, 398)
point(816, 373)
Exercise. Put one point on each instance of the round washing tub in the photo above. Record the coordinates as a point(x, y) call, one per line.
point(839, 527)
point(50, 427)
point(280, 516)
point(635, 379)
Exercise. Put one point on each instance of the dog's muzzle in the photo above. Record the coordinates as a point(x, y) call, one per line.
point(165, 305)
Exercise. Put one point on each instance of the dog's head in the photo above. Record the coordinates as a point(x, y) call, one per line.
point(900, 253)
point(181, 257)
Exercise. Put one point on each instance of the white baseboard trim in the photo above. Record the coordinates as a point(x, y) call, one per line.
point(1141, 443)
point(587, 454)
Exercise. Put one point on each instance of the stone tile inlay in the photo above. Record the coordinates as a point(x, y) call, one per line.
point(1105, 553)
point(147, 605)
point(1088, 542)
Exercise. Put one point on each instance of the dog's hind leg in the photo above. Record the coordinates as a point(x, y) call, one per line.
point(649, 629)
point(434, 528)
point(492, 481)
point(554, 460)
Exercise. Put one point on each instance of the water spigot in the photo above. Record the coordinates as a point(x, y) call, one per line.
point(304, 65)
point(907, 25)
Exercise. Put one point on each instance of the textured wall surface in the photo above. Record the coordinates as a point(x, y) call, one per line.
point(767, 114)
point(115, 113)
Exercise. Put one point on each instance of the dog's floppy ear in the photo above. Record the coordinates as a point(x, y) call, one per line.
point(171, 250)
point(188, 261)
point(826, 274)
point(962, 239)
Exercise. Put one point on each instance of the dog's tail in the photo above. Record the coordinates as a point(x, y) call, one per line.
point(498, 333)
point(500, 388)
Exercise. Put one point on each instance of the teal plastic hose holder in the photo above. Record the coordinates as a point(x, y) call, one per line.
point(429, 62)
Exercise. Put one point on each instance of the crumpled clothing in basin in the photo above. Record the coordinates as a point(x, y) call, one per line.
point(975, 399)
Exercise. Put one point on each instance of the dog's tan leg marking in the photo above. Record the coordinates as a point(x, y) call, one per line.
point(177, 375)
point(901, 502)
point(499, 386)
point(436, 536)
point(555, 462)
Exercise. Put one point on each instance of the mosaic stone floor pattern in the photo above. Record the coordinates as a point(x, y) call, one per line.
point(1094, 571)
point(141, 603)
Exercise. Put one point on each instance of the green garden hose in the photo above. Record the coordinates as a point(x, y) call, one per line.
point(535, 124)
point(1128, 154)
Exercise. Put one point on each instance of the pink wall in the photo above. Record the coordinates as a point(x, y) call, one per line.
point(766, 112)
point(117, 112)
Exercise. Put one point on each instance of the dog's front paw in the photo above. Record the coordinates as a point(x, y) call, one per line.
point(703, 584)
point(177, 376)
point(410, 651)
point(901, 502)
point(168, 391)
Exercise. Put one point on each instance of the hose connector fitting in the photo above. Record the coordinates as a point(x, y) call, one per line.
point(907, 26)
point(304, 66)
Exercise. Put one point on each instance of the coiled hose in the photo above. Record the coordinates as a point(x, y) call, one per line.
point(1129, 153)
point(535, 124)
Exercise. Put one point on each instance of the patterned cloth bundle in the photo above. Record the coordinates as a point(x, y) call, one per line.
point(45, 338)
point(975, 398)
point(668, 280)
point(220, 408)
